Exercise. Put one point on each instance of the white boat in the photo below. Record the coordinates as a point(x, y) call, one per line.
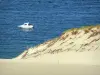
point(26, 26)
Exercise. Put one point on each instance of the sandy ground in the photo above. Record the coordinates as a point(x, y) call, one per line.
point(87, 57)
point(28, 67)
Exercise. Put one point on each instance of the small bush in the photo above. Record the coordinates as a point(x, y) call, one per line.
point(86, 31)
point(74, 32)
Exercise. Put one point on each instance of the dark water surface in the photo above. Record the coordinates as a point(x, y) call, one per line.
point(50, 19)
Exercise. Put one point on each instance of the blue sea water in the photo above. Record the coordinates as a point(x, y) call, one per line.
point(50, 19)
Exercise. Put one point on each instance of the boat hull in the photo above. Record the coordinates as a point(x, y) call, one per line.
point(26, 27)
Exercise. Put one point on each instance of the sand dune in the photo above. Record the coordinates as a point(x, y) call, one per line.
point(75, 52)
point(74, 46)
point(77, 40)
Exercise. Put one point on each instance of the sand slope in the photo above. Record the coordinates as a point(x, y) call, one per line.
point(76, 46)
point(75, 52)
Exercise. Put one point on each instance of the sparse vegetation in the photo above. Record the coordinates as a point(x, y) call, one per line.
point(74, 32)
point(86, 31)
point(64, 37)
point(52, 42)
point(70, 43)
point(87, 28)
point(86, 44)
point(94, 34)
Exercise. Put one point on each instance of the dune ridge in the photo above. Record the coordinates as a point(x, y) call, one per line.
point(77, 45)
point(75, 52)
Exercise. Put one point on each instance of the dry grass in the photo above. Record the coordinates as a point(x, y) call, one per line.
point(74, 32)
point(93, 34)
point(52, 42)
point(86, 31)
point(85, 28)
point(69, 30)
point(63, 37)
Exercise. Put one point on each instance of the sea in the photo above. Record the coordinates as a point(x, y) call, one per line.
point(49, 17)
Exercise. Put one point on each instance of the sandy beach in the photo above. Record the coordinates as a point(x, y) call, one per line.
point(49, 37)
point(66, 63)
point(75, 52)
point(28, 67)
